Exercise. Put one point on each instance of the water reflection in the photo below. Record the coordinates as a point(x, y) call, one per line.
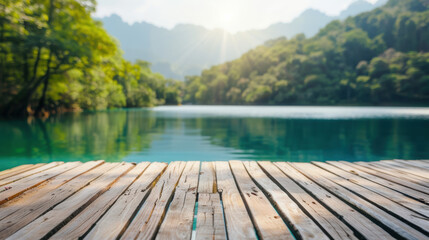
point(170, 134)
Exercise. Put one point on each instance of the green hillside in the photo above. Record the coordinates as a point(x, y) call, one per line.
point(378, 57)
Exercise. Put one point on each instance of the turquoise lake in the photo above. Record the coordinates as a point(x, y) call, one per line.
point(210, 133)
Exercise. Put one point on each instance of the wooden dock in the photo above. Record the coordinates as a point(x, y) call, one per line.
point(216, 200)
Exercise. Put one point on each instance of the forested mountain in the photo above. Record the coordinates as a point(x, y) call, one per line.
point(187, 49)
point(378, 57)
point(54, 56)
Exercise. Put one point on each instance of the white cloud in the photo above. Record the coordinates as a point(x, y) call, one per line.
point(232, 15)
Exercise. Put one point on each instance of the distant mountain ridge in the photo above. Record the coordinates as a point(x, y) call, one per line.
point(187, 49)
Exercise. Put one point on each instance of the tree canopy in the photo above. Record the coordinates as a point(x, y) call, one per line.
point(54, 55)
point(378, 57)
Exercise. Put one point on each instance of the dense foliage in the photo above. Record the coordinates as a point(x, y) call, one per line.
point(379, 57)
point(53, 56)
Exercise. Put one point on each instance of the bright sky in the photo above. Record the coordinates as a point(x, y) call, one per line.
point(232, 15)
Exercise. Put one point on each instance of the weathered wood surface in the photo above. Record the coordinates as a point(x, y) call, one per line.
point(353, 218)
point(17, 170)
point(24, 209)
point(413, 190)
point(267, 221)
point(237, 219)
point(80, 224)
point(45, 225)
point(20, 186)
point(333, 226)
point(401, 199)
point(366, 201)
point(207, 182)
point(236, 200)
point(115, 221)
point(210, 223)
point(399, 172)
point(302, 224)
point(148, 219)
point(36, 169)
point(180, 215)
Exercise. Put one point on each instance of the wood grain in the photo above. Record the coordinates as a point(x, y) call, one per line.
point(348, 192)
point(361, 224)
point(335, 228)
point(399, 172)
point(117, 218)
point(236, 200)
point(148, 219)
point(401, 199)
point(80, 224)
point(210, 219)
point(267, 221)
point(17, 170)
point(356, 170)
point(180, 215)
point(207, 182)
point(210, 223)
point(409, 185)
point(25, 174)
point(302, 225)
point(34, 180)
point(238, 222)
point(48, 223)
point(22, 210)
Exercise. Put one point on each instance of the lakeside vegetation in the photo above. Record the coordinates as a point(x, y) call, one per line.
point(378, 57)
point(54, 55)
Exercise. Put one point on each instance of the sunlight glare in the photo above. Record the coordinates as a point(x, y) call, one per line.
point(228, 17)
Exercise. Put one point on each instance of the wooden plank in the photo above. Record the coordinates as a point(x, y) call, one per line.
point(207, 182)
point(22, 210)
point(404, 177)
point(267, 221)
point(19, 169)
point(16, 168)
point(397, 171)
point(356, 170)
point(302, 225)
point(79, 225)
point(414, 163)
point(410, 185)
point(210, 223)
point(362, 225)
point(149, 217)
point(210, 219)
point(328, 221)
point(420, 172)
point(114, 222)
point(34, 180)
point(29, 173)
point(238, 222)
point(48, 223)
point(420, 162)
point(180, 215)
point(371, 207)
point(411, 204)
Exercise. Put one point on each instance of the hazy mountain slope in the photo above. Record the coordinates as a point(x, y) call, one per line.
point(379, 57)
point(187, 49)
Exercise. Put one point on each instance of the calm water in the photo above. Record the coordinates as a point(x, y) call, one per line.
point(219, 133)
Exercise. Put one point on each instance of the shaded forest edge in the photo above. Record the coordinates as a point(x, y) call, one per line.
point(376, 58)
point(55, 57)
